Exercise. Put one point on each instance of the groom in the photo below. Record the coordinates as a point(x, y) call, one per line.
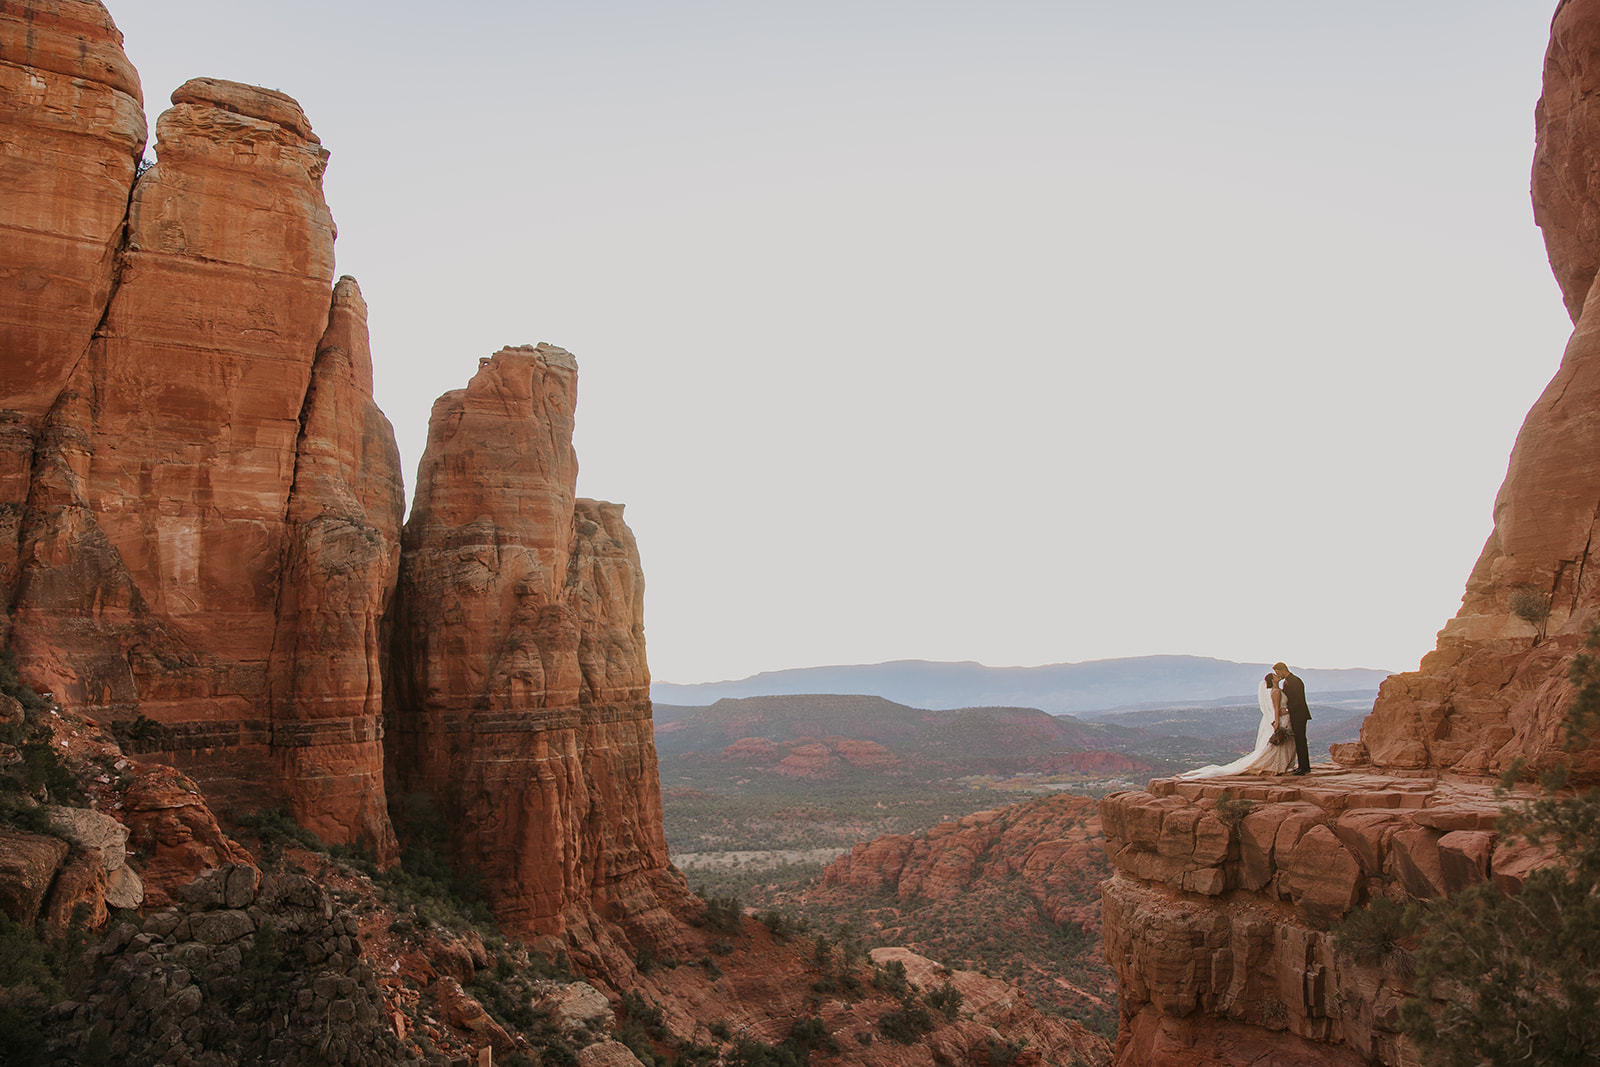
point(1299, 714)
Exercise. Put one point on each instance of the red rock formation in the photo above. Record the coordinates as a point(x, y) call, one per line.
point(167, 486)
point(863, 755)
point(337, 582)
point(1006, 878)
point(1051, 843)
point(807, 759)
point(199, 504)
point(173, 832)
point(72, 117)
point(1217, 922)
point(753, 750)
point(520, 701)
point(1494, 690)
point(28, 864)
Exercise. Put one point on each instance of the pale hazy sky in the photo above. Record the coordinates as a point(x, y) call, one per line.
point(1014, 332)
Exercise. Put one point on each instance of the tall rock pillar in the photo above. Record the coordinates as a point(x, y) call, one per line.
point(519, 699)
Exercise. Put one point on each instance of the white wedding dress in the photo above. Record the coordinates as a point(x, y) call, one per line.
point(1265, 758)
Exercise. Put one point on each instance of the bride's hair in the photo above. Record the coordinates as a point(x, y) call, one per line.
point(1270, 678)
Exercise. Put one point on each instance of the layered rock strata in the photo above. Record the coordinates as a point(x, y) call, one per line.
point(1495, 688)
point(1217, 919)
point(199, 501)
point(520, 704)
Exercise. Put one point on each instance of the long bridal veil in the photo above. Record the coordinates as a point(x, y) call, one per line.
point(1260, 759)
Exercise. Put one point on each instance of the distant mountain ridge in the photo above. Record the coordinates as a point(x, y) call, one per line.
point(1058, 688)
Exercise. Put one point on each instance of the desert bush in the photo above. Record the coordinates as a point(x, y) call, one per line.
point(1232, 810)
point(1370, 934)
point(946, 1000)
point(41, 769)
point(906, 1023)
point(1004, 1053)
point(891, 978)
point(724, 914)
point(752, 1053)
point(781, 924)
point(808, 1036)
point(1529, 603)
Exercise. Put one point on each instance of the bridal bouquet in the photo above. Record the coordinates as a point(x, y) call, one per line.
point(1281, 735)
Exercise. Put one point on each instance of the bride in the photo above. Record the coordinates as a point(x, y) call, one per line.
point(1266, 757)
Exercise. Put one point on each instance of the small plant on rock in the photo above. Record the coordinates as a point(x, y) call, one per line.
point(1232, 810)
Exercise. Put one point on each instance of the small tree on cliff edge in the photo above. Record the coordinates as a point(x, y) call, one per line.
point(1519, 977)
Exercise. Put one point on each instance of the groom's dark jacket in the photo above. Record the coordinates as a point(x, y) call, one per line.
point(1295, 690)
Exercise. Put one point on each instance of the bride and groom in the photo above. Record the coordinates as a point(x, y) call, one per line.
point(1282, 696)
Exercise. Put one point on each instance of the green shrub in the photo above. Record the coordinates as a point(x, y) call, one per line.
point(648, 1017)
point(1371, 934)
point(725, 914)
point(891, 978)
point(1004, 1053)
point(811, 1035)
point(752, 1053)
point(781, 924)
point(906, 1023)
point(945, 1000)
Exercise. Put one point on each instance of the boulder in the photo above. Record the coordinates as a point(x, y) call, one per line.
point(1322, 877)
point(1464, 857)
point(28, 864)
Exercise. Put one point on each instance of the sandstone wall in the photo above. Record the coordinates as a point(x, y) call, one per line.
point(199, 502)
point(71, 132)
point(1495, 688)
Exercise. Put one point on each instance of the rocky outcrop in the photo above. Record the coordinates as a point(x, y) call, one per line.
point(199, 501)
point(1015, 890)
point(247, 969)
point(1495, 688)
point(520, 702)
point(173, 830)
point(1052, 844)
point(808, 757)
point(1218, 917)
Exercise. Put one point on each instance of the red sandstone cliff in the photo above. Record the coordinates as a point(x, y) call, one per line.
point(199, 502)
point(1494, 689)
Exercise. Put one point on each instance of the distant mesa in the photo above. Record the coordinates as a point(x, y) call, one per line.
point(1058, 688)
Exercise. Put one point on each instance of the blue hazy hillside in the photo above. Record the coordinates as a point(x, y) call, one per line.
point(1059, 688)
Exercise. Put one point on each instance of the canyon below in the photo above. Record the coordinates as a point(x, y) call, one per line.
point(289, 775)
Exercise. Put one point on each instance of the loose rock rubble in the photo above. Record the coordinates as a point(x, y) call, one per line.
point(246, 970)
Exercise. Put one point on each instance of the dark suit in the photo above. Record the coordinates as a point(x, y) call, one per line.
point(1299, 714)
